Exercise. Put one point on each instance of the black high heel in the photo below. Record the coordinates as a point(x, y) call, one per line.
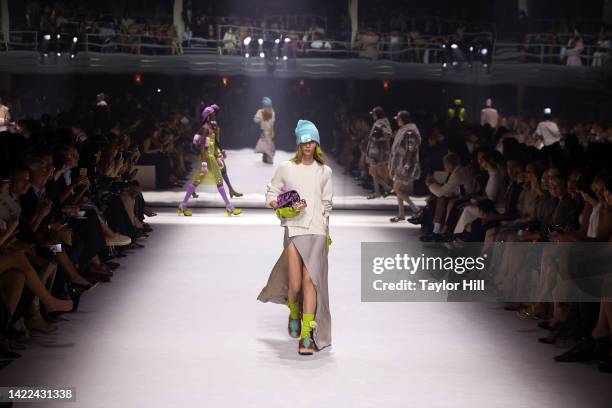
point(546, 325)
point(75, 294)
point(54, 316)
point(587, 349)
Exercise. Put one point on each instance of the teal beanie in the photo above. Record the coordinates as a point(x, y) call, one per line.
point(266, 102)
point(306, 132)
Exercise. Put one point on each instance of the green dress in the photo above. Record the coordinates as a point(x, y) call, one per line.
point(209, 155)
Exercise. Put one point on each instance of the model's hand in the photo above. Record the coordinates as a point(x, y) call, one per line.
point(287, 212)
point(299, 206)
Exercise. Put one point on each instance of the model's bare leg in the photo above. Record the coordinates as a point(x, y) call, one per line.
point(295, 286)
point(295, 273)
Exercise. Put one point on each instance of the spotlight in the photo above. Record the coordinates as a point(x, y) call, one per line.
point(455, 63)
point(225, 81)
point(45, 55)
point(484, 51)
point(58, 36)
point(247, 41)
point(72, 56)
point(443, 45)
point(47, 37)
point(260, 41)
point(262, 55)
point(485, 65)
point(158, 90)
point(277, 41)
point(285, 58)
point(287, 40)
point(74, 40)
point(246, 55)
point(471, 48)
point(454, 46)
point(277, 58)
point(444, 65)
point(59, 54)
point(547, 111)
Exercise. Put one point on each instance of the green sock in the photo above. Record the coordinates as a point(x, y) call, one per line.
point(294, 311)
point(308, 323)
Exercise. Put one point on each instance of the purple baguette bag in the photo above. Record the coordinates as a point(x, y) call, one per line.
point(289, 199)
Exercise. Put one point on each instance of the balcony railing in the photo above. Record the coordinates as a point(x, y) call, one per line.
point(421, 50)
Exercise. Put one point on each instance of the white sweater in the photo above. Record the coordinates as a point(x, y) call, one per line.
point(267, 126)
point(314, 184)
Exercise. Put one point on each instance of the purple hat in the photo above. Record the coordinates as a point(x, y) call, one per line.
point(215, 107)
point(207, 112)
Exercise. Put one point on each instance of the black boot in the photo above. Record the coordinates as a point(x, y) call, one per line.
point(587, 349)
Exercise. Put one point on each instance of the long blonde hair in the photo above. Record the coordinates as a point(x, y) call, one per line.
point(318, 156)
point(266, 114)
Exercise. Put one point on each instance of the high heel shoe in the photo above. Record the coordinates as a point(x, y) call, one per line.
point(75, 294)
point(195, 195)
point(587, 349)
point(84, 288)
point(235, 194)
point(560, 331)
point(306, 346)
point(236, 211)
point(294, 328)
point(52, 316)
point(187, 212)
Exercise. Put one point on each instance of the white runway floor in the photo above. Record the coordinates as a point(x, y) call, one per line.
point(180, 326)
point(249, 175)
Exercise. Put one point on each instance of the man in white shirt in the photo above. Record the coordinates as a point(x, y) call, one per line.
point(5, 116)
point(459, 183)
point(101, 100)
point(489, 115)
point(547, 131)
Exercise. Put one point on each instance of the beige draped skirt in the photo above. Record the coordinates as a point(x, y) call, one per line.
point(313, 250)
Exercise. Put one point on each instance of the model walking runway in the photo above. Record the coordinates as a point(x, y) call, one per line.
point(180, 326)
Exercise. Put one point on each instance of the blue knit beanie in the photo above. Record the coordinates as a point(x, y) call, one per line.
point(306, 132)
point(266, 102)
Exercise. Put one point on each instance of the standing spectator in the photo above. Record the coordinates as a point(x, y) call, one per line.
point(547, 133)
point(489, 115)
point(230, 41)
point(575, 46)
point(187, 36)
point(5, 116)
point(368, 43)
point(601, 57)
point(33, 15)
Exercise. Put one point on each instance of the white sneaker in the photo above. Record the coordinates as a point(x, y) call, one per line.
point(118, 240)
